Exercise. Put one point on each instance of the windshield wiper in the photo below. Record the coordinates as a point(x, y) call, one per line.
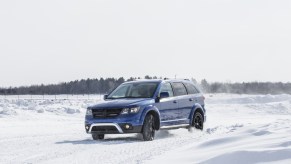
point(110, 98)
point(125, 97)
point(135, 97)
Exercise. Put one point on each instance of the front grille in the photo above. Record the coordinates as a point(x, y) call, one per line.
point(106, 113)
point(104, 129)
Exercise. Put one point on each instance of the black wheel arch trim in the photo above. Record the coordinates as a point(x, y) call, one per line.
point(196, 108)
point(155, 112)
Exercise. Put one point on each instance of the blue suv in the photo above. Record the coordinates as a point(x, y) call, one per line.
point(146, 106)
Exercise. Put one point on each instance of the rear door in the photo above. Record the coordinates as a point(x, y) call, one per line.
point(183, 100)
point(192, 98)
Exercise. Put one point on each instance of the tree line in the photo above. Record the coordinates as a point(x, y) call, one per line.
point(105, 85)
point(246, 87)
point(84, 86)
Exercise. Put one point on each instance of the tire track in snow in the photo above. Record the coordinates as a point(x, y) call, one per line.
point(128, 148)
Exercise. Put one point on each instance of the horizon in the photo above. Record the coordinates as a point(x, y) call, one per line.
point(142, 78)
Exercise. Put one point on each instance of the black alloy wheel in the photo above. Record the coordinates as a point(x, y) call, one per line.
point(148, 131)
point(98, 136)
point(198, 121)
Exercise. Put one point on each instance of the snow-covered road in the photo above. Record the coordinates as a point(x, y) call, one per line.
point(240, 129)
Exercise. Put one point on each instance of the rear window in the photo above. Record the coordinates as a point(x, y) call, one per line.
point(191, 88)
point(179, 89)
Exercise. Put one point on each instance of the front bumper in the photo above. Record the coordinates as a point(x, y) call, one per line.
point(129, 123)
point(110, 125)
point(112, 128)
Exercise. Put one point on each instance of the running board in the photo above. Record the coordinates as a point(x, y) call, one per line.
point(175, 127)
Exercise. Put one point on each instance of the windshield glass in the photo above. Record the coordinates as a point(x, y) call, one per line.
point(134, 90)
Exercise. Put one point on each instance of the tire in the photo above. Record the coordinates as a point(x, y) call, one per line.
point(148, 130)
point(98, 136)
point(198, 121)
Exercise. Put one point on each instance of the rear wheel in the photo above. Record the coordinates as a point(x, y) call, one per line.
point(198, 120)
point(98, 136)
point(148, 131)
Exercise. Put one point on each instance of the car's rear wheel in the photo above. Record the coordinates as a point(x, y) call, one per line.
point(198, 120)
point(98, 136)
point(148, 130)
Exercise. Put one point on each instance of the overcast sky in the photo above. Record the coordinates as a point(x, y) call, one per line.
point(51, 41)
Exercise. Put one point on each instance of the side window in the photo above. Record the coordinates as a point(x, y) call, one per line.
point(167, 88)
point(191, 88)
point(179, 89)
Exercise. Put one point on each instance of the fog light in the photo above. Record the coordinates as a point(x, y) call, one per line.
point(87, 127)
point(127, 126)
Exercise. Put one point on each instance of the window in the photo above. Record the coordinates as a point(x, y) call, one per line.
point(191, 88)
point(179, 89)
point(134, 90)
point(121, 92)
point(167, 88)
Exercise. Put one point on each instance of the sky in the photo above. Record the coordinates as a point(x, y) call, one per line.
point(52, 41)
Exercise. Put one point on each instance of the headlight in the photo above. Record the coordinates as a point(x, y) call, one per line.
point(89, 112)
point(134, 110)
point(130, 110)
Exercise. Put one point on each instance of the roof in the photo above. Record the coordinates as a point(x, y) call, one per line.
point(158, 80)
point(145, 80)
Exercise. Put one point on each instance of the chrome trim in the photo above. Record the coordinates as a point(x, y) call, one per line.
point(176, 120)
point(175, 126)
point(106, 124)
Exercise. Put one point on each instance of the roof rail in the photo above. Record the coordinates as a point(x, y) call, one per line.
point(176, 79)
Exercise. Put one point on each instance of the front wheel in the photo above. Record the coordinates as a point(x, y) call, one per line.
point(148, 131)
point(98, 136)
point(198, 121)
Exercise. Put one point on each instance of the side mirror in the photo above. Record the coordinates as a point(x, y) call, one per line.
point(164, 95)
point(105, 97)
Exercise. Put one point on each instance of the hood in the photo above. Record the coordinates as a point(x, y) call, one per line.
point(120, 103)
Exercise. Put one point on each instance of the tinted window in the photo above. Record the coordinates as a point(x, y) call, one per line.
point(179, 89)
point(191, 88)
point(167, 88)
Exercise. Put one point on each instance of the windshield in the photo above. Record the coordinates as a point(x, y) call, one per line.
point(134, 90)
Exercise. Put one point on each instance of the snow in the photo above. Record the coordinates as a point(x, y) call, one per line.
point(239, 129)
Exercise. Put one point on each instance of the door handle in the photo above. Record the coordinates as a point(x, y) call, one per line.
point(191, 99)
point(175, 101)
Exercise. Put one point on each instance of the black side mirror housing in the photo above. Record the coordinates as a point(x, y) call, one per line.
point(164, 95)
point(105, 97)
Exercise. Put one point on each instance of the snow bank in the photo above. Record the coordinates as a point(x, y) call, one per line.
point(239, 129)
point(263, 104)
point(244, 129)
point(245, 99)
point(14, 106)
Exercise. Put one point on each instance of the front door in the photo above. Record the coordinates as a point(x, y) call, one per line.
point(169, 108)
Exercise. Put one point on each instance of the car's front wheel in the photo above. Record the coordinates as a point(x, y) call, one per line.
point(148, 130)
point(98, 136)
